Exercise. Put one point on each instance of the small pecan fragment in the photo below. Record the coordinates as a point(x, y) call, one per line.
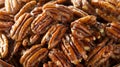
point(3, 45)
point(5, 64)
point(77, 3)
point(58, 12)
point(49, 64)
point(113, 30)
point(73, 49)
point(85, 28)
point(59, 58)
point(21, 27)
point(13, 6)
point(26, 8)
point(33, 56)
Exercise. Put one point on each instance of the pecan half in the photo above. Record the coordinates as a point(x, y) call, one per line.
point(73, 49)
point(13, 6)
point(21, 27)
point(26, 8)
point(3, 45)
point(58, 12)
point(54, 35)
point(59, 58)
point(41, 23)
point(85, 28)
point(33, 56)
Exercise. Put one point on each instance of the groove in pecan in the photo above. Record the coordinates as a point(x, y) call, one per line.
point(49, 64)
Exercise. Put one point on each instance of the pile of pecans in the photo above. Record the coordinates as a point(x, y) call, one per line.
point(59, 33)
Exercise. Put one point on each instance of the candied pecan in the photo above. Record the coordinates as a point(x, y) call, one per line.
point(58, 12)
point(49, 64)
point(54, 35)
point(41, 23)
point(78, 12)
point(113, 30)
point(33, 56)
point(26, 8)
point(73, 49)
point(85, 28)
point(13, 6)
point(3, 45)
point(21, 27)
point(101, 53)
point(59, 58)
point(5, 64)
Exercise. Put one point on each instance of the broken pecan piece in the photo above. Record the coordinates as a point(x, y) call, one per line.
point(49, 64)
point(59, 58)
point(54, 35)
point(21, 27)
point(73, 49)
point(3, 45)
point(33, 56)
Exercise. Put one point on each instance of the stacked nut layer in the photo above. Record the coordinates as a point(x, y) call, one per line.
point(59, 33)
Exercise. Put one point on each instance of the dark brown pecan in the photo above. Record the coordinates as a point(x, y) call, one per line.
point(26, 8)
point(33, 56)
point(113, 30)
point(78, 12)
point(49, 64)
point(13, 6)
point(101, 53)
point(41, 23)
point(21, 27)
point(85, 28)
point(54, 35)
point(2, 3)
point(73, 49)
point(59, 58)
point(5, 64)
point(3, 45)
point(58, 12)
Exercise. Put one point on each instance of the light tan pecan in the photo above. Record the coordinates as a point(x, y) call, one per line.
point(101, 53)
point(58, 12)
point(117, 65)
point(77, 3)
point(21, 27)
point(73, 49)
point(3, 45)
point(26, 8)
point(13, 6)
point(33, 56)
point(86, 28)
point(113, 30)
point(41, 23)
point(54, 35)
point(59, 58)
point(49, 64)
point(5, 64)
